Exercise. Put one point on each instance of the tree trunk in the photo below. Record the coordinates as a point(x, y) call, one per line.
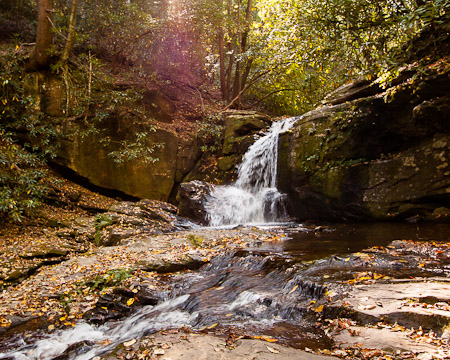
point(39, 57)
point(71, 32)
point(223, 82)
point(229, 70)
point(239, 77)
point(237, 71)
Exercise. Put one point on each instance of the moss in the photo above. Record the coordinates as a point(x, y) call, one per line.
point(228, 162)
point(329, 182)
point(101, 221)
point(196, 240)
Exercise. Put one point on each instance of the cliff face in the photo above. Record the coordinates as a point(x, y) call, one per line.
point(152, 166)
point(91, 147)
point(373, 153)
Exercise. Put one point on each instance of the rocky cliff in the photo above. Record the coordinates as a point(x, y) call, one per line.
point(107, 152)
point(373, 153)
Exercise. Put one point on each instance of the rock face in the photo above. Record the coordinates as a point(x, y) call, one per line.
point(239, 131)
point(191, 200)
point(89, 158)
point(369, 153)
point(240, 128)
point(91, 147)
point(87, 150)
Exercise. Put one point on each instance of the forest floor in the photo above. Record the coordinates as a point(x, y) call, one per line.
point(85, 254)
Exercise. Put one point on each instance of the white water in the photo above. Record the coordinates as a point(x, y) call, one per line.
point(149, 319)
point(254, 197)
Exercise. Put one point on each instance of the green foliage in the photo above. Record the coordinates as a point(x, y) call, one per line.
point(21, 175)
point(111, 278)
point(210, 132)
point(301, 50)
point(21, 166)
point(102, 221)
point(138, 149)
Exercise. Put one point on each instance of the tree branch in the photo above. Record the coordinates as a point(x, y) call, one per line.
point(270, 94)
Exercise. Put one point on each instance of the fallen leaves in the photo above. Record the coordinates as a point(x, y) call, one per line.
point(129, 343)
point(130, 301)
point(265, 338)
point(366, 276)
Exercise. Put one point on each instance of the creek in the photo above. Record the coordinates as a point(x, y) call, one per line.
point(262, 291)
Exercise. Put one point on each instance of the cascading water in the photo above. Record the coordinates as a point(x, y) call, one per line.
point(256, 290)
point(254, 197)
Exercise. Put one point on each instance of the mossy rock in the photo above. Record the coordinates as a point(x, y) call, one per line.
point(382, 157)
point(227, 163)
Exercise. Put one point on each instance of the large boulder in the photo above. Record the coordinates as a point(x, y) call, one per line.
point(192, 198)
point(370, 153)
point(89, 157)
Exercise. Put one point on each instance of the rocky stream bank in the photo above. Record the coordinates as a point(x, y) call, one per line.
point(93, 260)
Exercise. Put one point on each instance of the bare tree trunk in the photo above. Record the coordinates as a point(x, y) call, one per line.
point(39, 56)
point(223, 82)
point(71, 33)
point(240, 78)
point(229, 71)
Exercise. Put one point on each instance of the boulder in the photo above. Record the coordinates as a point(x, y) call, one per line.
point(192, 198)
point(370, 153)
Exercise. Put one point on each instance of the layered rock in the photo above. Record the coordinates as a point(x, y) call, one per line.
point(370, 153)
point(240, 128)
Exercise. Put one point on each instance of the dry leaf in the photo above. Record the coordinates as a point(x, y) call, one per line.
point(319, 309)
point(130, 302)
point(129, 343)
point(272, 350)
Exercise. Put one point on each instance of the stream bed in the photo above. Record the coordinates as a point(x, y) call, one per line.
point(265, 290)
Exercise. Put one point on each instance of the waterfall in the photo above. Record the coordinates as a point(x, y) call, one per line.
point(254, 197)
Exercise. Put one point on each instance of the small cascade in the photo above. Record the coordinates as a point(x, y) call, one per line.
point(256, 290)
point(254, 197)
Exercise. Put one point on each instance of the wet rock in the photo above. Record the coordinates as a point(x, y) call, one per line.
point(108, 307)
point(115, 237)
point(160, 266)
point(192, 198)
point(75, 349)
point(144, 296)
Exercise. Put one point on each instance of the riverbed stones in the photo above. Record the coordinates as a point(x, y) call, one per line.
point(189, 346)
